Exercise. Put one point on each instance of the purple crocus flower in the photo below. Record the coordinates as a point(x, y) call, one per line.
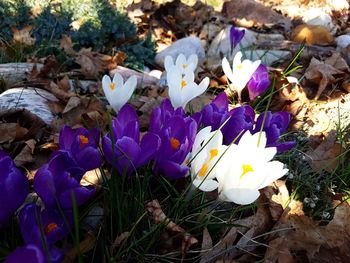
point(28, 254)
point(14, 188)
point(82, 144)
point(216, 113)
point(123, 149)
point(177, 133)
point(241, 119)
point(44, 228)
point(59, 179)
point(274, 125)
point(236, 36)
point(259, 82)
point(162, 114)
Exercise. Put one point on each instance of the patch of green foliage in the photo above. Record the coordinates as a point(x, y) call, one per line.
point(97, 24)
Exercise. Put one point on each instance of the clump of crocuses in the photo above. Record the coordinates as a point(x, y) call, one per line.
point(123, 148)
point(177, 133)
point(232, 123)
point(14, 188)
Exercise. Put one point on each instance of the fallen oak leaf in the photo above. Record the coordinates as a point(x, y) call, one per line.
point(10, 132)
point(322, 243)
point(325, 155)
point(93, 63)
point(322, 74)
point(26, 154)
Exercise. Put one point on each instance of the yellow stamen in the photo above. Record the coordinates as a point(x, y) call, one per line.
point(83, 140)
point(50, 227)
point(184, 66)
point(175, 143)
point(246, 169)
point(205, 166)
point(240, 66)
point(112, 86)
point(183, 83)
point(203, 170)
point(213, 153)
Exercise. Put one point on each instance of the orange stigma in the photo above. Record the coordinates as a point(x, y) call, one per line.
point(175, 144)
point(50, 227)
point(83, 140)
point(183, 83)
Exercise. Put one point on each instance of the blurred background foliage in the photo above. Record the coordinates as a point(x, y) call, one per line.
point(89, 23)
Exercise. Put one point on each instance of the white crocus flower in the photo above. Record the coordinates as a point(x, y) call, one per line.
point(182, 64)
point(182, 88)
point(117, 92)
point(206, 151)
point(240, 73)
point(247, 167)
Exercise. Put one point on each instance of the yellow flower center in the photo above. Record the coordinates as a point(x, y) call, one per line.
point(205, 166)
point(175, 143)
point(184, 66)
point(183, 83)
point(112, 86)
point(50, 227)
point(246, 169)
point(240, 66)
point(83, 140)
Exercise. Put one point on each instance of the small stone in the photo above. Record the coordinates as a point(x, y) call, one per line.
point(209, 32)
point(318, 17)
point(187, 46)
point(343, 41)
point(268, 38)
point(32, 99)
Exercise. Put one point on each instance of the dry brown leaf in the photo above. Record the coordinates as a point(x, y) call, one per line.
point(255, 12)
point(26, 154)
point(64, 84)
point(329, 243)
point(67, 45)
point(292, 98)
point(322, 74)
point(72, 103)
point(10, 132)
point(278, 252)
point(338, 62)
point(93, 63)
point(325, 156)
point(58, 92)
point(207, 245)
point(89, 109)
point(23, 36)
point(313, 35)
point(159, 217)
